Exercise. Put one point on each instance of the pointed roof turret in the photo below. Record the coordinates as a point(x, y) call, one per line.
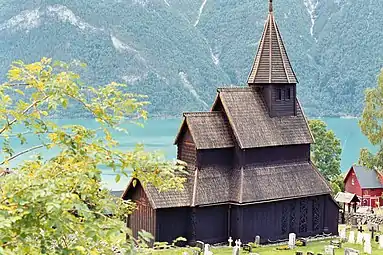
point(271, 64)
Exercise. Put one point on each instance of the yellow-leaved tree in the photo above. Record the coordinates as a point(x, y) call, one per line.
point(58, 205)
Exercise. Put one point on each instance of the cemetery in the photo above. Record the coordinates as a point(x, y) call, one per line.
point(351, 241)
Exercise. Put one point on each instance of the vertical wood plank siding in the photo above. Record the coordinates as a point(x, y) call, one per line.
point(282, 107)
point(144, 217)
point(280, 154)
point(186, 150)
point(275, 220)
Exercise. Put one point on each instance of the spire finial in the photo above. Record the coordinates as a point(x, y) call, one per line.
point(270, 5)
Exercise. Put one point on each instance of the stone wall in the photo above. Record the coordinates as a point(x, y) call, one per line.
point(363, 218)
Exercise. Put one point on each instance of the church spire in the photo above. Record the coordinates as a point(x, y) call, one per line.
point(271, 64)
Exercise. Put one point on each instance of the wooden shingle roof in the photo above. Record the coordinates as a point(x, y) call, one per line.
point(277, 182)
point(271, 64)
point(252, 125)
point(251, 184)
point(210, 130)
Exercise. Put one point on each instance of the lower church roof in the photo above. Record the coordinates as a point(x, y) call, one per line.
point(251, 184)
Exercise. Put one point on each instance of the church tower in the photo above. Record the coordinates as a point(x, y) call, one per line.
point(272, 73)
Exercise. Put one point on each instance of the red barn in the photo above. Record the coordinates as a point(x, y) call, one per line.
point(366, 183)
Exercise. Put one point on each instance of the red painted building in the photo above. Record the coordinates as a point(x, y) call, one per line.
point(366, 183)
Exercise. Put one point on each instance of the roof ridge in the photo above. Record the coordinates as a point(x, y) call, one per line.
point(235, 89)
point(202, 113)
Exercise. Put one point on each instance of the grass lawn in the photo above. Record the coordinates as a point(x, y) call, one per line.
point(316, 247)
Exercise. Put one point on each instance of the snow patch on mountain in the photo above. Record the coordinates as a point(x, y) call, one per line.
point(190, 87)
point(64, 14)
point(311, 6)
point(143, 3)
point(214, 57)
point(200, 12)
point(25, 20)
point(29, 19)
point(131, 79)
point(125, 48)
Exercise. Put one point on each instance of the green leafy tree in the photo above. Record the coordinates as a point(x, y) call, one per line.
point(58, 205)
point(326, 152)
point(371, 125)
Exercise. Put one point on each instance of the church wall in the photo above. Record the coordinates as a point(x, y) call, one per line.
point(186, 150)
point(212, 224)
point(281, 104)
point(332, 212)
point(215, 157)
point(275, 220)
point(279, 154)
point(172, 223)
point(144, 217)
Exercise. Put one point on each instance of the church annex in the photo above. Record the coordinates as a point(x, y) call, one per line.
point(249, 164)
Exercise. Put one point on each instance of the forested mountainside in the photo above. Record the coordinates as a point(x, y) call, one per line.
point(179, 51)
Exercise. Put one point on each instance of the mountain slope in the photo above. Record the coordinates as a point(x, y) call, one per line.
point(179, 51)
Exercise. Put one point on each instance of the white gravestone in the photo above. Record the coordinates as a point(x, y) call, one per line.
point(381, 241)
point(367, 238)
point(350, 251)
point(207, 250)
point(359, 238)
point(238, 243)
point(351, 237)
point(367, 248)
point(230, 241)
point(292, 240)
point(235, 250)
point(342, 234)
point(329, 250)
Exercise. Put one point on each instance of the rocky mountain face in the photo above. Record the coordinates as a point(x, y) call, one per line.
point(179, 51)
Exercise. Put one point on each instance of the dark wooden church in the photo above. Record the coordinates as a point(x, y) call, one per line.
point(249, 164)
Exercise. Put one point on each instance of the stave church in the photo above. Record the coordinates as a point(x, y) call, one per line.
point(249, 166)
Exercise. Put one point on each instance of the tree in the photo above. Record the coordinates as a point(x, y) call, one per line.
point(58, 205)
point(371, 125)
point(326, 152)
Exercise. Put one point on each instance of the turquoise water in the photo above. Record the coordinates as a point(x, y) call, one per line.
point(158, 135)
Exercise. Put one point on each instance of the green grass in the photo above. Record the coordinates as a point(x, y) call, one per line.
point(315, 247)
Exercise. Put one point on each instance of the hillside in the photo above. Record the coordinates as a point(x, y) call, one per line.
point(179, 51)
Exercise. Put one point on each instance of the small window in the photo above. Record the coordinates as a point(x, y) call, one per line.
point(288, 94)
point(352, 181)
point(279, 94)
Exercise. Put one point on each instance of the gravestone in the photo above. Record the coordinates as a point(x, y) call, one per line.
point(310, 253)
point(376, 239)
point(207, 250)
point(329, 250)
point(342, 234)
point(381, 242)
point(367, 243)
point(238, 242)
point(257, 240)
point(350, 251)
point(359, 238)
point(248, 248)
point(200, 245)
point(367, 248)
point(367, 238)
point(235, 250)
point(351, 237)
point(298, 253)
point(230, 241)
point(292, 240)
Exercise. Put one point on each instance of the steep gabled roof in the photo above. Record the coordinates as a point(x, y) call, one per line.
point(210, 130)
point(271, 64)
point(262, 183)
point(252, 125)
point(367, 178)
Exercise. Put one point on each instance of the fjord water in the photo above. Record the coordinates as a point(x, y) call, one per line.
point(159, 134)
